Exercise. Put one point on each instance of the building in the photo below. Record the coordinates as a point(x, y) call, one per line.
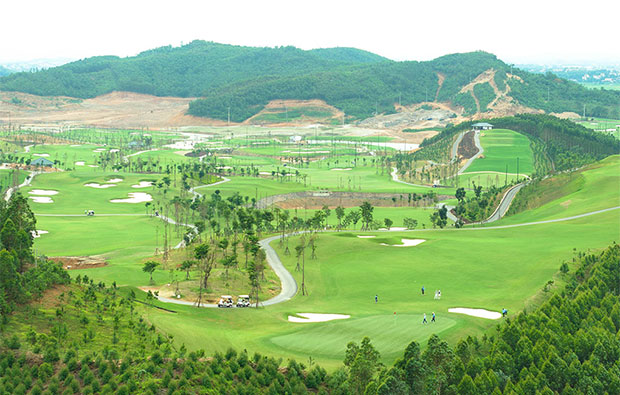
point(42, 162)
point(482, 126)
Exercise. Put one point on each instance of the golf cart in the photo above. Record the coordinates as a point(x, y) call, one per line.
point(226, 301)
point(243, 301)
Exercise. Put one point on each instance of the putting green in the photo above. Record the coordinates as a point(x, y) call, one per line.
point(390, 333)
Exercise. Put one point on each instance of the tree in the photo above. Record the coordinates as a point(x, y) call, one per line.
point(362, 362)
point(354, 216)
point(206, 259)
point(149, 267)
point(327, 212)
point(187, 266)
point(388, 223)
point(410, 223)
point(460, 195)
point(366, 212)
point(339, 214)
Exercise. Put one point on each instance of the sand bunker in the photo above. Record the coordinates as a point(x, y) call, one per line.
point(99, 150)
point(99, 186)
point(79, 163)
point(75, 145)
point(481, 313)
point(43, 192)
point(42, 155)
point(115, 180)
point(224, 157)
point(114, 150)
point(38, 233)
point(143, 184)
point(366, 237)
point(313, 317)
point(93, 166)
point(394, 229)
point(41, 199)
point(134, 197)
point(339, 169)
point(406, 243)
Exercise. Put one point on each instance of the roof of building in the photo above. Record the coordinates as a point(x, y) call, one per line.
point(482, 124)
point(42, 162)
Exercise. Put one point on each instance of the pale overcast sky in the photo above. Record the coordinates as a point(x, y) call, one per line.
point(522, 31)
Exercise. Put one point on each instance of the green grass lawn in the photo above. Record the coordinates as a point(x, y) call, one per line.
point(74, 197)
point(477, 268)
point(502, 147)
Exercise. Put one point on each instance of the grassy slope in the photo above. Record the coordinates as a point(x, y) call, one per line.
point(593, 189)
point(502, 147)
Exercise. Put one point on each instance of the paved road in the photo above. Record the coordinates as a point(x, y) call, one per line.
point(504, 204)
point(27, 181)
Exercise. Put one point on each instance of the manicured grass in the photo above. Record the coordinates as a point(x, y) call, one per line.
point(486, 179)
point(477, 268)
point(74, 197)
point(122, 238)
point(502, 147)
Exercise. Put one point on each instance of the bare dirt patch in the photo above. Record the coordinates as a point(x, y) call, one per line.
point(80, 262)
point(116, 109)
point(467, 147)
point(280, 106)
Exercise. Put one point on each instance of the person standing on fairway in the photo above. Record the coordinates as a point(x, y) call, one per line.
point(424, 319)
point(422, 290)
point(376, 298)
point(433, 317)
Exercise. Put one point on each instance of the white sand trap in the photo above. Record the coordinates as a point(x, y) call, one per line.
point(340, 169)
point(42, 155)
point(114, 150)
point(41, 199)
point(93, 165)
point(224, 157)
point(99, 186)
point(115, 180)
point(75, 145)
point(134, 197)
point(406, 243)
point(264, 173)
point(79, 163)
point(366, 237)
point(224, 167)
point(38, 233)
point(143, 184)
point(313, 317)
point(43, 192)
point(99, 150)
point(481, 313)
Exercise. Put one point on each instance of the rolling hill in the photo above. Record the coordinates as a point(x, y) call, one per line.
point(359, 83)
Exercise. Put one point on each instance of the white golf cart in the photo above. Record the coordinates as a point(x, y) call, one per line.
point(243, 301)
point(226, 301)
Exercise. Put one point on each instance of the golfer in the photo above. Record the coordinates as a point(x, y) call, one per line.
point(376, 298)
point(433, 317)
point(424, 319)
point(422, 289)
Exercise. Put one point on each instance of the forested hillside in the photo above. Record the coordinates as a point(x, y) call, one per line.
point(357, 82)
point(190, 70)
point(359, 91)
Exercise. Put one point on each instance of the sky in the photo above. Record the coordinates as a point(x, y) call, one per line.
point(524, 31)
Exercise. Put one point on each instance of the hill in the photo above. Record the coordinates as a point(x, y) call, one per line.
point(190, 70)
point(359, 83)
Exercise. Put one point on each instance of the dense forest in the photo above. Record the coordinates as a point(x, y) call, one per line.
point(190, 70)
point(357, 82)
